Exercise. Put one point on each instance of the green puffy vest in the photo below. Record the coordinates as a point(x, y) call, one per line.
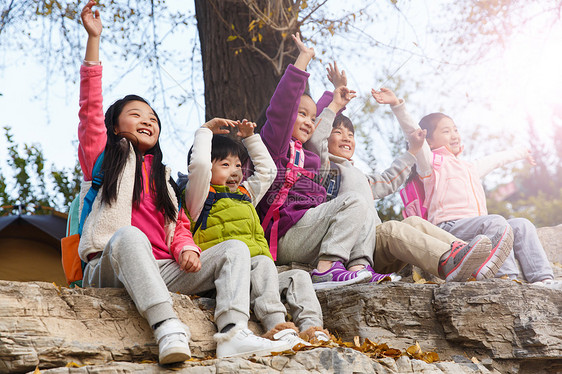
point(231, 218)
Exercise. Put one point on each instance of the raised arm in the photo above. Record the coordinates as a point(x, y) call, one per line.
point(391, 179)
point(92, 23)
point(264, 168)
point(306, 54)
point(424, 156)
point(199, 168)
point(318, 142)
point(282, 111)
point(487, 164)
point(91, 129)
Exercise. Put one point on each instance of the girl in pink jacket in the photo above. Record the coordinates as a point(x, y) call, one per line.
point(455, 201)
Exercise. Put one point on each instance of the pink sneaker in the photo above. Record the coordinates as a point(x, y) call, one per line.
point(338, 276)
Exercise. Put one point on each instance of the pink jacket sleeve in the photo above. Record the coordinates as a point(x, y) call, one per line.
point(182, 237)
point(91, 129)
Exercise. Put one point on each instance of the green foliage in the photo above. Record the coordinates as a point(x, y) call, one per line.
point(30, 185)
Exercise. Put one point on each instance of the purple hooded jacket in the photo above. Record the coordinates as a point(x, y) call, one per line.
point(276, 134)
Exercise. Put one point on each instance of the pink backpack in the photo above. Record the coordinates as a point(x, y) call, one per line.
point(413, 194)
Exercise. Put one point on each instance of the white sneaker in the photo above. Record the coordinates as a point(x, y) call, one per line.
point(172, 338)
point(321, 335)
point(243, 342)
point(291, 336)
point(549, 283)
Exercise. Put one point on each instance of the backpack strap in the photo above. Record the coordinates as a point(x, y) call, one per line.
point(295, 170)
point(97, 181)
point(212, 198)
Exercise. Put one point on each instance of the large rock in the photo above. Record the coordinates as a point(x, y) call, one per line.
point(509, 326)
point(551, 237)
point(42, 324)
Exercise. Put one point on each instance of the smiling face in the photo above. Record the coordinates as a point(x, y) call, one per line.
point(138, 123)
point(341, 142)
point(227, 172)
point(305, 123)
point(445, 135)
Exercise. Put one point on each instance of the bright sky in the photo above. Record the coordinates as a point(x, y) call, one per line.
point(524, 81)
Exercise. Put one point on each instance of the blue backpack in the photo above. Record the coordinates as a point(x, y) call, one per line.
point(72, 265)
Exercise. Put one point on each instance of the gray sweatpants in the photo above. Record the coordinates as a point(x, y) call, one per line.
point(337, 230)
point(527, 248)
point(127, 261)
point(296, 289)
point(264, 293)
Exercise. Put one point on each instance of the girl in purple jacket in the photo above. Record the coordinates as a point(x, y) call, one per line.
point(301, 226)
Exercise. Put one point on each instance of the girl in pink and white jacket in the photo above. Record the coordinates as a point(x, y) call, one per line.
point(456, 202)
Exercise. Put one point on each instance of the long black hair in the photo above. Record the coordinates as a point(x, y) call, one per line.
point(116, 153)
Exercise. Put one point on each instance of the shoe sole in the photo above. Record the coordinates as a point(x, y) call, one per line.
point(497, 256)
point(260, 352)
point(476, 256)
point(366, 278)
point(174, 356)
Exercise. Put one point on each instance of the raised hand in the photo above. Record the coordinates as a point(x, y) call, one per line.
point(342, 97)
point(385, 96)
point(220, 125)
point(305, 53)
point(337, 78)
point(91, 20)
point(530, 158)
point(246, 128)
point(415, 140)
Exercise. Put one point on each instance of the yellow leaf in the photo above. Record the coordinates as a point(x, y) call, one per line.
point(260, 37)
point(418, 278)
point(73, 365)
point(232, 26)
point(283, 35)
point(254, 38)
point(252, 25)
point(231, 38)
point(37, 371)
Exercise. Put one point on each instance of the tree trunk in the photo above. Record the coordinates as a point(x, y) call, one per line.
point(239, 82)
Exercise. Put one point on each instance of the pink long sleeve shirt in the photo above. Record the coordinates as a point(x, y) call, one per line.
point(92, 138)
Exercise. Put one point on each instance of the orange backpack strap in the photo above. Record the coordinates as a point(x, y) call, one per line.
point(212, 198)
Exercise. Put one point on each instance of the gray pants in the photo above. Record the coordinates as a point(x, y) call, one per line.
point(527, 249)
point(338, 230)
point(264, 293)
point(296, 288)
point(127, 261)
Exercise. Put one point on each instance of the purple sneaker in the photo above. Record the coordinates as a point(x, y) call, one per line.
point(338, 276)
point(378, 277)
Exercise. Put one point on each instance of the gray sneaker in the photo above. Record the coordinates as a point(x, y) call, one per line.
point(502, 243)
point(463, 259)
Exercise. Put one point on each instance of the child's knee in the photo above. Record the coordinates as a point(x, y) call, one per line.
point(414, 221)
point(521, 225)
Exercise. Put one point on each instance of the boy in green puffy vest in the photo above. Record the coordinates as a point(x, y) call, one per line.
point(222, 207)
